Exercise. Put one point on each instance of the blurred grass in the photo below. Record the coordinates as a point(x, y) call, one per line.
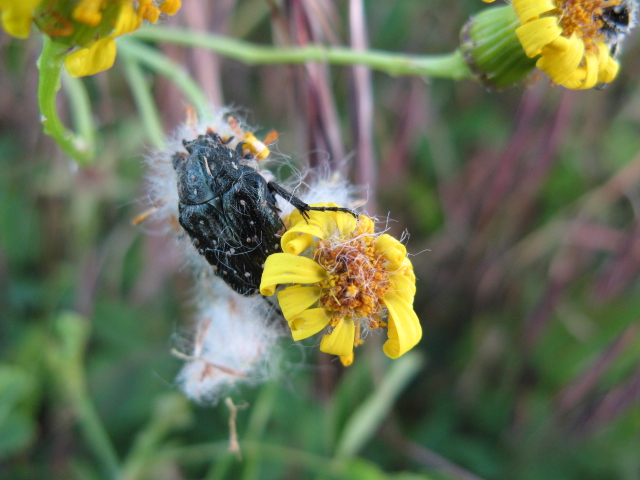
point(528, 298)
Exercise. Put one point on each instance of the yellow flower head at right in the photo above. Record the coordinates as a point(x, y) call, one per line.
point(345, 279)
point(576, 40)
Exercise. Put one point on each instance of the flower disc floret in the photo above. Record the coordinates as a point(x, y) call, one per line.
point(345, 279)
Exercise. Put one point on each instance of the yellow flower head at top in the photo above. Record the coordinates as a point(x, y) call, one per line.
point(576, 40)
point(89, 25)
point(345, 278)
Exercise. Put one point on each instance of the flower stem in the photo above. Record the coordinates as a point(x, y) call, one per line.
point(66, 363)
point(450, 65)
point(155, 60)
point(144, 101)
point(50, 65)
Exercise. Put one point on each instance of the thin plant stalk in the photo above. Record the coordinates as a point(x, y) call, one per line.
point(451, 65)
point(50, 64)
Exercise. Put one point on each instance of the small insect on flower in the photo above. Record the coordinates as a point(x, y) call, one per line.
point(617, 21)
point(229, 209)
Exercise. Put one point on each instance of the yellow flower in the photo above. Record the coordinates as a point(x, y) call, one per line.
point(17, 16)
point(574, 39)
point(344, 278)
point(90, 26)
point(100, 54)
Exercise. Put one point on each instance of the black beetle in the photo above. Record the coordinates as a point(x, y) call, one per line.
point(229, 210)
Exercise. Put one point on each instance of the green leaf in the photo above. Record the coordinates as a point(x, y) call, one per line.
point(366, 419)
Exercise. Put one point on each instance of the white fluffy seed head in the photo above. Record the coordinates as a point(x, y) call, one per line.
point(233, 342)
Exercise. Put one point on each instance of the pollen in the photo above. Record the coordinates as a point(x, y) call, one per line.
point(356, 281)
point(583, 17)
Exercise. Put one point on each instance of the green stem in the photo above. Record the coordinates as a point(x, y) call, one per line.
point(96, 435)
point(66, 361)
point(450, 65)
point(144, 100)
point(80, 107)
point(173, 71)
point(50, 64)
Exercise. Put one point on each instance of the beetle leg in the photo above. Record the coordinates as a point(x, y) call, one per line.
point(302, 207)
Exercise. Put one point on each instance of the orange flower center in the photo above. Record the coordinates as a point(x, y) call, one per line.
point(356, 280)
point(584, 18)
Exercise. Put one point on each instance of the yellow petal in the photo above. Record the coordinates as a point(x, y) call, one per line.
point(585, 76)
point(340, 340)
point(17, 16)
point(537, 34)
point(607, 66)
point(403, 285)
point(344, 222)
point(283, 268)
point(300, 237)
point(407, 270)
point(308, 323)
point(171, 7)
point(527, 10)
point(404, 330)
point(365, 224)
point(327, 221)
point(148, 11)
point(608, 70)
point(94, 58)
point(297, 298)
point(295, 243)
point(561, 58)
point(127, 21)
point(88, 12)
point(392, 250)
point(347, 360)
point(255, 146)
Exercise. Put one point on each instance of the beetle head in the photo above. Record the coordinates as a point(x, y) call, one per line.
point(194, 179)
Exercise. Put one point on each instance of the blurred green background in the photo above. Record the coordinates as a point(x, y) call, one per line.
point(522, 207)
